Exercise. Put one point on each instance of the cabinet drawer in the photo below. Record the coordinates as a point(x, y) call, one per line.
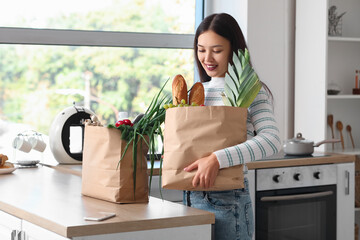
point(34, 232)
point(8, 223)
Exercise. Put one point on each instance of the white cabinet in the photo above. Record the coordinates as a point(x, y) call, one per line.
point(13, 228)
point(345, 195)
point(321, 61)
point(34, 232)
point(9, 226)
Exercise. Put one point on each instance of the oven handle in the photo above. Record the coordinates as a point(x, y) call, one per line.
point(296, 197)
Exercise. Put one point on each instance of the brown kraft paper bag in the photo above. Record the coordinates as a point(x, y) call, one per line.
point(103, 148)
point(195, 132)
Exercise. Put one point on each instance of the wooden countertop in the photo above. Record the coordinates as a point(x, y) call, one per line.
point(52, 200)
point(77, 168)
point(37, 194)
point(280, 160)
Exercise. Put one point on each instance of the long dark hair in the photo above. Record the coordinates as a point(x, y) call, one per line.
point(226, 26)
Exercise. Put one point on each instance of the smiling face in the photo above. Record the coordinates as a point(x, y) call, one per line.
point(213, 53)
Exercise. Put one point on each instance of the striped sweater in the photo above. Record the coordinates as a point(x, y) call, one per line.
point(260, 119)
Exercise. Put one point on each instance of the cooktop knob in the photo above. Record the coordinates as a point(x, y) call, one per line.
point(317, 175)
point(297, 176)
point(277, 178)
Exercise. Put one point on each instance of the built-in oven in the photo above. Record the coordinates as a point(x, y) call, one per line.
point(304, 202)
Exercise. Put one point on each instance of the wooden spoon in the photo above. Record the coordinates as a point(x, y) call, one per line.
point(348, 128)
point(330, 121)
point(339, 127)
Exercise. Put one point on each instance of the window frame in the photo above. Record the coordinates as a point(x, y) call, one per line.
point(31, 36)
point(64, 37)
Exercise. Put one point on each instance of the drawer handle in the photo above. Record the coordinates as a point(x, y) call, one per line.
point(13, 234)
point(296, 197)
point(347, 182)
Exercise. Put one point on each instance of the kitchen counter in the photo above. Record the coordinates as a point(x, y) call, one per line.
point(51, 199)
point(36, 195)
point(77, 168)
point(278, 160)
point(282, 160)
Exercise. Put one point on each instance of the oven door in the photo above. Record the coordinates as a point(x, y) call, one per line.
point(297, 213)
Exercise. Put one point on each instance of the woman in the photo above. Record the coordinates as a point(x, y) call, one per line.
point(216, 38)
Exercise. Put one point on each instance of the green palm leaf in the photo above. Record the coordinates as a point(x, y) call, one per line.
point(237, 65)
point(242, 84)
point(229, 93)
point(249, 91)
point(226, 101)
point(231, 77)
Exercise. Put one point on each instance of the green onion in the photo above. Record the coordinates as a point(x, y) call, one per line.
point(149, 126)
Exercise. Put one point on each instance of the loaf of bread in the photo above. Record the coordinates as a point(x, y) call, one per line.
point(179, 89)
point(3, 163)
point(197, 94)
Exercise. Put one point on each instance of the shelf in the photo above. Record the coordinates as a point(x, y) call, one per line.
point(344, 39)
point(343, 96)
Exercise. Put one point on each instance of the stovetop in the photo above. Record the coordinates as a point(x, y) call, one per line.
point(282, 156)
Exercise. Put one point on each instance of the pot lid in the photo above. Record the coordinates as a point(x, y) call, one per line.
point(299, 139)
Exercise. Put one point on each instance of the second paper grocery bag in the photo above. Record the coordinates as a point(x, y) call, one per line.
point(103, 176)
point(195, 132)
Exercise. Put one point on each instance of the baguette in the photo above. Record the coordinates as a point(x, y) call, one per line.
point(197, 94)
point(179, 89)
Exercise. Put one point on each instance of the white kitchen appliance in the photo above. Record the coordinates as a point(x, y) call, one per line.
point(67, 134)
point(305, 202)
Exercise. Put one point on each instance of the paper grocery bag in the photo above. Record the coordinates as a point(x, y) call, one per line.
point(103, 148)
point(195, 132)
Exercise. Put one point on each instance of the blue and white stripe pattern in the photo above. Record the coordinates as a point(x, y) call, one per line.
point(260, 119)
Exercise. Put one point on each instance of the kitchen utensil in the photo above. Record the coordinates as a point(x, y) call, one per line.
point(330, 121)
point(348, 128)
point(339, 126)
point(300, 146)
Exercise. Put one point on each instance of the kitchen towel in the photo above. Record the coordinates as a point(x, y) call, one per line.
point(195, 132)
point(102, 177)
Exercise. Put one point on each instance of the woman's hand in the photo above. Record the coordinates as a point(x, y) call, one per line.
point(207, 170)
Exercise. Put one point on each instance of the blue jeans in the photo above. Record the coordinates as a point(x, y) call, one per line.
point(234, 218)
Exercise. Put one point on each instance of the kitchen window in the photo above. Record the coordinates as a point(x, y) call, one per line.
point(111, 56)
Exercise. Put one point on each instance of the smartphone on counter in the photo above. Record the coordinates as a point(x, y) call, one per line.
point(100, 216)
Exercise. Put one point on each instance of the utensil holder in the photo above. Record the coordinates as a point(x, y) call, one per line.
point(356, 91)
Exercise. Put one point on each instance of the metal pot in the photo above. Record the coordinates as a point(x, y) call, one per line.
point(300, 146)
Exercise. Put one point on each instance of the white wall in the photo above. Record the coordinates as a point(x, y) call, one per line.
point(269, 28)
point(236, 8)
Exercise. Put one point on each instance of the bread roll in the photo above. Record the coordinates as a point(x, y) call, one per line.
point(3, 159)
point(197, 94)
point(3, 163)
point(179, 89)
